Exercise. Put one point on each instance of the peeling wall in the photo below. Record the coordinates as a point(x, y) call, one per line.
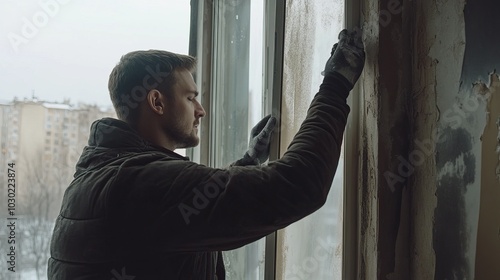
point(453, 50)
point(385, 134)
point(424, 117)
point(428, 138)
point(368, 214)
point(488, 235)
point(441, 186)
point(482, 108)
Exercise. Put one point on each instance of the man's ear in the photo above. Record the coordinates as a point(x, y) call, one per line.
point(156, 102)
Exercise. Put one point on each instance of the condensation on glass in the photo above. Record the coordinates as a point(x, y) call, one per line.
point(238, 105)
point(312, 247)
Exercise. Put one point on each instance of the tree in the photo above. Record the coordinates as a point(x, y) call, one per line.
point(41, 194)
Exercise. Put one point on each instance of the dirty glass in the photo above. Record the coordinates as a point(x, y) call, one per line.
point(312, 247)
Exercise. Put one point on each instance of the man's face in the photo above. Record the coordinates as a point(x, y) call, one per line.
point(183, 111)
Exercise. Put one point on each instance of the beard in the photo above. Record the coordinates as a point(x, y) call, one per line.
point(183, 134)
point(188, 141)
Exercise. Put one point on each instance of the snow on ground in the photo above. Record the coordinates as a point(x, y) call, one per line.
point(24, 275)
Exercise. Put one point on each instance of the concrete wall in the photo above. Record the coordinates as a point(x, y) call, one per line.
point(481, 59)
point(430, 192)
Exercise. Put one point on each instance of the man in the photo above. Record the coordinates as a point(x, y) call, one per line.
point(137, 210)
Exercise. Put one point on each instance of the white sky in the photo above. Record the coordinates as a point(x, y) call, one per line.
point(71, 54)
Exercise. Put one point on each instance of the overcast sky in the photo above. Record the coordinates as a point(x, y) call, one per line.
point(67, 48)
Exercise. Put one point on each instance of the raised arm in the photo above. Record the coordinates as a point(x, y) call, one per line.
point(210, 209)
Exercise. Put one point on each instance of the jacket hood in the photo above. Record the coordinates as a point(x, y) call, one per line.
point(110, 139)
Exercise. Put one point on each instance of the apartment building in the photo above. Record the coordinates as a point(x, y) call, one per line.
point(45, 140)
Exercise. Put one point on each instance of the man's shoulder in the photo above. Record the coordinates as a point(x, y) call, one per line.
point(154, 164)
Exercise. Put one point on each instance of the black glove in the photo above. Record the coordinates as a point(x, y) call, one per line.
point(259, 144)
point(347, 56)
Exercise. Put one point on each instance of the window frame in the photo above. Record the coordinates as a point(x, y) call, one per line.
point(350, 234)
point(275, 12)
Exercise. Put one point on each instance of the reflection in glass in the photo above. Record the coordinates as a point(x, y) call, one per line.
point(238, 103)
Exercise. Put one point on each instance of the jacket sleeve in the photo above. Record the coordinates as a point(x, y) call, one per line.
point(196, 208)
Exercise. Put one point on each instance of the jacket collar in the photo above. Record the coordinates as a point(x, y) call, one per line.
point(116, 134)
point(110, 139)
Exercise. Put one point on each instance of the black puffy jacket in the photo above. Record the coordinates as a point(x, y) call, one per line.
point(135, 211)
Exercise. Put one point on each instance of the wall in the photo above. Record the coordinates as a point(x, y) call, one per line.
point(385, 136)
point(430, 195)
point(488, 235)
point(481, 59)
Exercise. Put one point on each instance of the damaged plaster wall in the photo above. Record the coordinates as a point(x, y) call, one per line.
point(483, 57)
point(488, 236)
point(480, 107)
point(437, 50)
point(368, 214)
point(451, 54)
point(424, 114)
point(441, 215)
point(385, 134)
point(437, 165)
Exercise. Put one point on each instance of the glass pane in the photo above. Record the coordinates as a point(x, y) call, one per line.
point(312, 247)
point(55, 62)
point(238, 103)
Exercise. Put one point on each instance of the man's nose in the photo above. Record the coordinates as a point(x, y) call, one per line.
point(200, 111)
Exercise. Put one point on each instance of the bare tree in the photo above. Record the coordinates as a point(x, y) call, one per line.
point(41, 197)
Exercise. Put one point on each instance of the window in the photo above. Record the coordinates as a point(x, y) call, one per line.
point(309, 37)
point(64, 54)
point(242, 57)
point(238, 104)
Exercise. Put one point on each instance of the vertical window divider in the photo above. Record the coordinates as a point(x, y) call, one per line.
point(216, 30)
point(201, 47)
point(275, 35)
point(350, 221)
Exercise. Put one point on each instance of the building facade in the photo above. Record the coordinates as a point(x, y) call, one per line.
point(44, 140)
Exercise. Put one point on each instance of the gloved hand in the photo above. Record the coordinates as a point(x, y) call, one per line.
point(259, 144)
point(347, 56)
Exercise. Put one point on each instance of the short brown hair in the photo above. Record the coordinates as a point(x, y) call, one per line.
point(139, 72)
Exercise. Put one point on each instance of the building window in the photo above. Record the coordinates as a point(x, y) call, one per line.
point(306, 50)
point(238, 104)
point(240, 97)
